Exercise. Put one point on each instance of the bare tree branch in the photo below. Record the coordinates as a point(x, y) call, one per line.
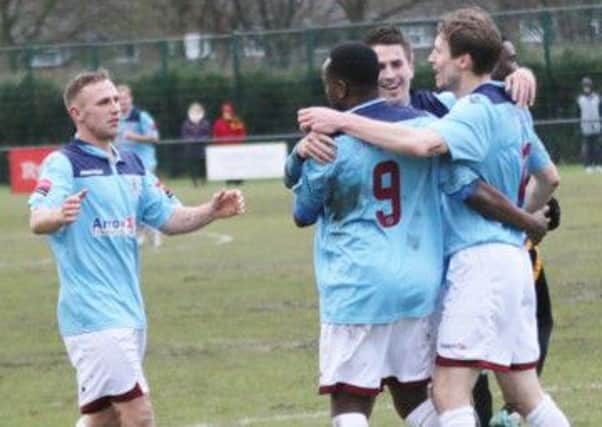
point(395, 10)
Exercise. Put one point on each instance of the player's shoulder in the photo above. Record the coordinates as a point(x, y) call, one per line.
point(146, 116)
point(473, 104)
point(57, 159)
point(447, 98)
point(420, 121)
point(347, 145)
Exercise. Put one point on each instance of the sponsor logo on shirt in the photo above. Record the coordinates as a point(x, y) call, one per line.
point(114, 227)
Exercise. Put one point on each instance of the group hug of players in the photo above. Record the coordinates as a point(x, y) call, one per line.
point(422, 202)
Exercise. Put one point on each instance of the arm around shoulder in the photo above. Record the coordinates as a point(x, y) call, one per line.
point(396, 137)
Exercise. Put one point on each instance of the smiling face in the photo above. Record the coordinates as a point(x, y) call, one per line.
point(95, 111)
point(446, 68)
point(396, 73)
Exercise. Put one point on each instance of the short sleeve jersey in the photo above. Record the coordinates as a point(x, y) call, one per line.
point(97, 255)
point(142, 123)
point(378, 250)
point(490, 138)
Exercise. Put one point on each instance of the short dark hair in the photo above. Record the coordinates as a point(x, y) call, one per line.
point(472, 31)
point(388, 35)
point(80, 81)
point(356, 63)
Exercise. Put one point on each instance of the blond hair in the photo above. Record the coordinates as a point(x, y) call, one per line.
point(80, 81)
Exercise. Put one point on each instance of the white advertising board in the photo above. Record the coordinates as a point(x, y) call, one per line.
point(246, 161)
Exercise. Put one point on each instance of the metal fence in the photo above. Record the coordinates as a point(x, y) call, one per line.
point(542, 34)
point(560, 44)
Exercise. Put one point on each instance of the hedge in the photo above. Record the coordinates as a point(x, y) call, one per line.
point(32, 113)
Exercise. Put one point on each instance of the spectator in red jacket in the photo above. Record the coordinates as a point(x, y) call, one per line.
point(228, 128)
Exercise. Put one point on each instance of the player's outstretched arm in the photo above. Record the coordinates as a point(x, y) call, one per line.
point(388, 136)
point(492, 204)
point(48, 220)
point(542, 185)
point(223, 204)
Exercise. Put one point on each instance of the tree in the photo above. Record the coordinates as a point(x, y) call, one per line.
point(366, 10)
point(23, 21)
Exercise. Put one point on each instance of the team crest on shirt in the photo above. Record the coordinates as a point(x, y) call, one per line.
point(114, 227)
point(43, 187)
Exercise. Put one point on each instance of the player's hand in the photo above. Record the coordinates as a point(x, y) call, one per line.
point(319, 119)
point(71, 207)
point(522, 87)
point(540, 225)
point(553, 214)
point(227, 203)
point(318, 146)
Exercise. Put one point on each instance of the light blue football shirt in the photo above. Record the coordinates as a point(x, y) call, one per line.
point(437, 104)
point(142, 123)
point(490, 138)
point(97, 255)
point(378, 249)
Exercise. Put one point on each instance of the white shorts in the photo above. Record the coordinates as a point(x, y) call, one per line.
point(108, 364)
point(360, 359)
point(488, 314)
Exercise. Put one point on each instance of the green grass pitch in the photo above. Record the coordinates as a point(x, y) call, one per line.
point(233, 317)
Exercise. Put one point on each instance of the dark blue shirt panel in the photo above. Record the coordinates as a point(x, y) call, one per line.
point(426, 100)
point(496, 94)
point(85, 164)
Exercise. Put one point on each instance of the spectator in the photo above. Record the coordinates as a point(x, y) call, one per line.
point(137, 129)
point(138, 133)
point(195, 130)
point(228, 128)
point(589, 109)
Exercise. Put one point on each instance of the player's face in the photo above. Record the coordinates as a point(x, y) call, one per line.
point(125, 100)
point(447, 72)
point(396, 73)
point(98, 110)
point(506, 63)
point(328, 84)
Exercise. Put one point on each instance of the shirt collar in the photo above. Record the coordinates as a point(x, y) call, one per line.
point(490, 82)
point(365, 104)
point(95, 151)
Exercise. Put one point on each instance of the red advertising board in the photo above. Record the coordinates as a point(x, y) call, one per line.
point(24, 165)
